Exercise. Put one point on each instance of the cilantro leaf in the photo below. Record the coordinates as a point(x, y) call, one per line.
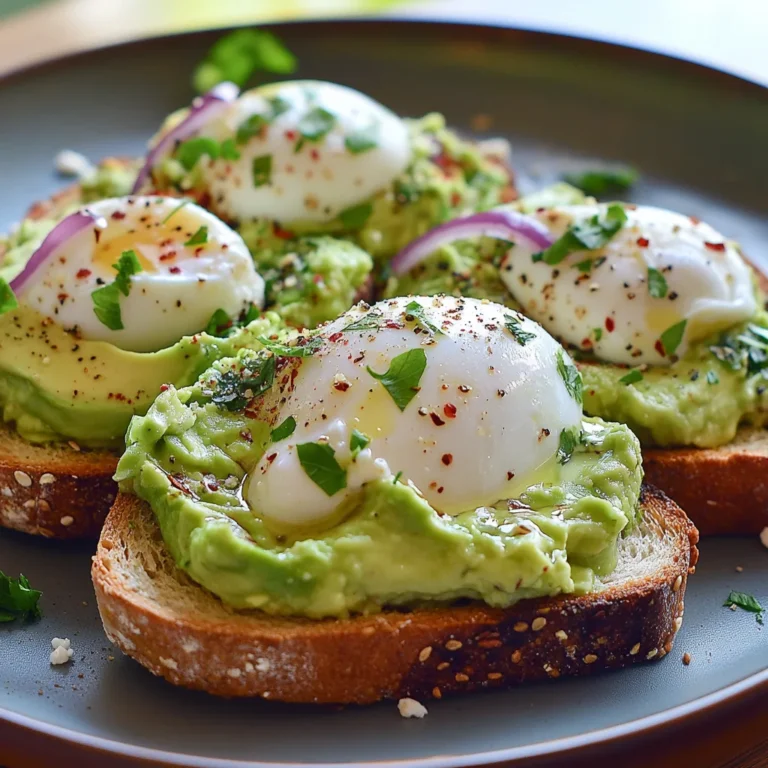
point(292, 350)
point(368, 322)
point(586, 235)
point(598, 332)
point(358, 442)
point(250, 127)
point(106, 300)
point(190, 151)
point(414, 311)
point(513, 325)
point(657, 283)
point(319, 462)
point(569, 440)
point(673, 337)
point(363, 139)
point(356, 216)
point(746, 603)
point(570, 375)
point(220, 321)
point(279, 106)
point(200, 237)
point(633, 377)
point(261, 169)
point(17, 599)
point(236, 56)
point(235, 390)
point(314, 125)
point(403, 377)
point(186, 201)
point(601, 182)
point(8, 300)
point(281, 431)
point(585, 266)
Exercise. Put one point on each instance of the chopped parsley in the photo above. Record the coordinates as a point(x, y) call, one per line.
point(585, 266)
point(657, 284)
point(415, 312)
point(633, 377)
point(199, 238)
point(8, 300)
point(673, 337)
point(189, 152)
point(186, 201)
point(319, 462)
point(358, 442)
point(236, 56)
point(397, 477)
point(598, 333)
point(106, 300)
point(261, 170)
point(587, 235)
point(250, 127)
point(356, 216)
point(570, 375)
point(403, 377)
point(279, 105)
point(513, 325)
point(569, 441)
point(17, 599)
point(363, 139)
point(368, 322)
point(597, 183)
point(292, 350)
point(712, 378)
point(314, 126)
point(746, 603)
point(222, 325)
point(235, 390)
point(281, 431)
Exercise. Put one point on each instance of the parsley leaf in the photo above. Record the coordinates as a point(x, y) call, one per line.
point(601, 182)
point(403, 377)
point(199, 238)
point(8, 300)
point(358, 442)
point(598, 332)
point(238, 55)
point(512, 324)
point(250, 127)
point(414, 311)
point(747, 603)
point(657, 284)
point(570, 375)
point(712, 378)
point(186, 201)
point(235, 390)
point(314, 125)
point(292, 350)
point(673, 337)
point(190, 151)
point(632, 377)
point(585, 266)
point(569, 440)
point(261, 168)
point(281, 431)
point(106, 300)
point(363, 139)
point(279, 105)
point(356, 216)
point(319, 462)
point(586, 235)
point(17, 599)
point(368, 322)
point(220, 321)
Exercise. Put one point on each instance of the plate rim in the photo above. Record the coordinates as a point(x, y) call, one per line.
point(745, 688)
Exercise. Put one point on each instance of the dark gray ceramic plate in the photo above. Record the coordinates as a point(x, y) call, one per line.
point(699, 139)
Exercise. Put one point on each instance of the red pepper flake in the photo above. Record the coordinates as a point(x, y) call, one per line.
point(341, 386)
point(83, 273)
point(314, 154)
point(447, 459)
point(643, 242)
point(290, 135)
point(609, 324)
point(335, 336)
point(510, 475)
point(62, 297)
point(175, 270)
point(168, 256)
point(283, 234)
point(393, 325)
point(436, 420)
point(455, 199)
point(449, 409)
point(177, 481)
point(246, 435)
point(659, 347)
point(199, 250)
point(317, 279)
point(118, 215)
point(694, 220)
point(271, 457)
point(715, 246)
point(586, 343)
point(165, 387)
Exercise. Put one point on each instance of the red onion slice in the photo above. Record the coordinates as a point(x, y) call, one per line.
point(64, 231)
point(503, 224)
point(203, 109)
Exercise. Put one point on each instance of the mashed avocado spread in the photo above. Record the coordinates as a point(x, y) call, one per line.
point(189, 456)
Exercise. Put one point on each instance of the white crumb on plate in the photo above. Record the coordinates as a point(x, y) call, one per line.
point(71, 163)
point(411, 708)
point(764, 537)
point(62, 650)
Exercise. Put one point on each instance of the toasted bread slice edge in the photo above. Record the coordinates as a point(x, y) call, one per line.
point(154, 613)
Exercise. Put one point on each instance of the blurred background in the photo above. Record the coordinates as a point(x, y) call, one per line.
point(729, 34)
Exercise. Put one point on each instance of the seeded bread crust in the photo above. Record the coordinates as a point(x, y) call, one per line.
point(154, 613)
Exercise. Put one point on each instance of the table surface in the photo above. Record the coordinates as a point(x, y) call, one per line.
point(728, 34)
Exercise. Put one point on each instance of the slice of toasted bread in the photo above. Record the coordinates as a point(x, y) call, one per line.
point(153, 612)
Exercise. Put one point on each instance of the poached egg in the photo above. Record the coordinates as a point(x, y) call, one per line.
point(663, 281)
point(463, 399)
point(192, 265)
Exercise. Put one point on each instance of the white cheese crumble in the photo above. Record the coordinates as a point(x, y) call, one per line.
point(764, 537)
point(411, 708)
point(62, 650)
point(71, 163)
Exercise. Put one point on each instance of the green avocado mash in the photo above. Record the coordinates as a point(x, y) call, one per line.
point(189, 456)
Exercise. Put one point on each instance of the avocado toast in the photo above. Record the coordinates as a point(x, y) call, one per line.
point(344, 521)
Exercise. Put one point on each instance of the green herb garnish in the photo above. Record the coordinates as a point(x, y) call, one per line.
point(363, 139)
point(319, 462)
point(632, 377)
point(397, 477)
point(358, 442)
point(569, 440)
point(513, 325)
point(17, 599)
point(261, 169)
point(186, 201)
point(314, 126)
point(712, 378)
point(602, 182)
point(220, 321)
point(235, 390)
point(657, 284)
point(587, 235)
point(250, 127)
point(199, 238)
point(292, 350)
point(570, 375)
point(368, 322)
point(403, 377)
point(598, 332)
point(8, 300)
point(585, 266)
point(356, 216)
point(673, 337)
point(414, 311)
point(106, 300)
point(747, 603)
point(286, 429)
point(189, 152)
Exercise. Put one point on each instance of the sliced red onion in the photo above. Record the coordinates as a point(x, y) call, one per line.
point(503, 224)
point(203, 109)
point(65, 230)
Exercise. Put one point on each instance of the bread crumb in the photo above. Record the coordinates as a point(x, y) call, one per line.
point(686, 659)
point(764, 536)
point(62, 650)
point(71, 163)
point(67, 520)
point(411, 708)
point(263, 665)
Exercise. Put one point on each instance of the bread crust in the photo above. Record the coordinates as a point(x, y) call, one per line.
point(154, 613)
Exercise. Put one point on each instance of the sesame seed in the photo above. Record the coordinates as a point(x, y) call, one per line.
point(425, 653)
point(437, 693)
point(635, 649)
point(494, 675)
point(453, 645)
point(43, 505)
point(442, 665)
point(538, 623)
point(686, 659)
point(561, 635)
point(739, 569)
point(590, 658)
point(28, 504)
point(521, 626)
point(47, 478)
point(653, 652)
point(67, 520)
point(461, 677)
point(515, 657)
point(678, 583)
point(22, 478)
point(678, 623)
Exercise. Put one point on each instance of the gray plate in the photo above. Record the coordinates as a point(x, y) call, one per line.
point(698, 137)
